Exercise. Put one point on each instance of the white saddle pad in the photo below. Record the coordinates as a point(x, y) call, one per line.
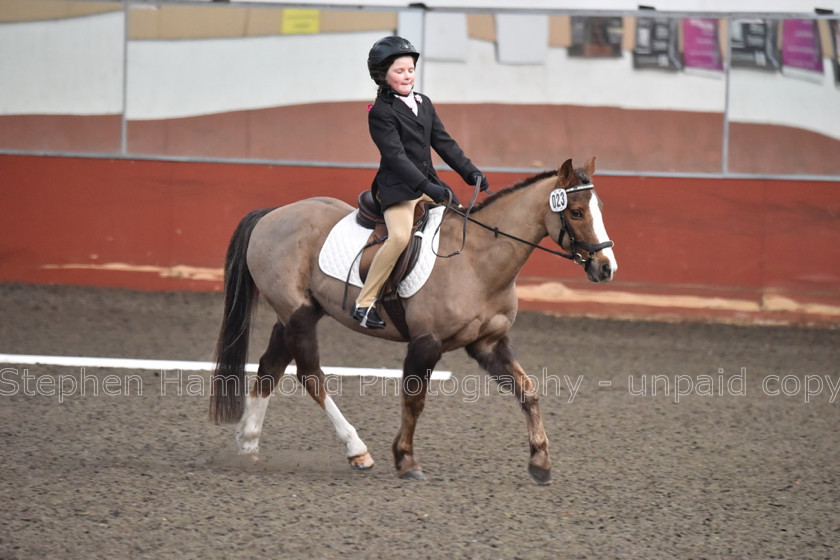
point(347, 238)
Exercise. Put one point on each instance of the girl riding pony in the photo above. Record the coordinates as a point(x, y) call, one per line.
point(405, 127)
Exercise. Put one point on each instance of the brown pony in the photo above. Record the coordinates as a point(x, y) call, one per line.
point(468, 302)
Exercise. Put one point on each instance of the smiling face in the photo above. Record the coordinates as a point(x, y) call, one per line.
point(400, 75)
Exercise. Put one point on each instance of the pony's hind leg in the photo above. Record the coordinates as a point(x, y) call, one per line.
point(497, 358)
point(302, 342)
point(422, 356)
point(272, 366)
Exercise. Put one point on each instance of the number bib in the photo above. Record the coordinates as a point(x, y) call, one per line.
point(557, 200)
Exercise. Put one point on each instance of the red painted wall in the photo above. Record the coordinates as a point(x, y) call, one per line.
point(729, 234)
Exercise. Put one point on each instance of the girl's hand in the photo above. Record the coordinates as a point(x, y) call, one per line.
point(435, 192)
point(478, 177)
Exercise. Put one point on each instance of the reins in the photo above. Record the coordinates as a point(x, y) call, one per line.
point(466, 216)
point(572, 255)
point(497, 232)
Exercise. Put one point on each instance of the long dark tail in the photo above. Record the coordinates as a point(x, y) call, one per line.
point(228, 391)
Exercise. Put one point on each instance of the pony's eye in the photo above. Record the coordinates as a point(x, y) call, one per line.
point(577, 213)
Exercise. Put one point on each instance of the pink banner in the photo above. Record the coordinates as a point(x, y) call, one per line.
point(801, 45)
point(701, 48)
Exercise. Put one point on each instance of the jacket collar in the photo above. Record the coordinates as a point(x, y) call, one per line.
point(402, 107)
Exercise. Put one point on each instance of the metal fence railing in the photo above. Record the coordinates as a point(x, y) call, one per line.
point(709, 94)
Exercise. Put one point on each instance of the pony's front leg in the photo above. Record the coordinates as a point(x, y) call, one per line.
point(499, 362)
point(423, 353)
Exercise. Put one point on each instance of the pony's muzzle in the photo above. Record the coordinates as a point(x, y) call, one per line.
point(600, 267)
point(605, 272)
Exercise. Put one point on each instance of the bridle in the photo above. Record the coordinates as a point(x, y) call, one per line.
point(565, 231)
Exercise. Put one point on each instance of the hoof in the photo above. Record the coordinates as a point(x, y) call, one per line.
point(361, 462)
point(246, 460)
point(540, 475)
point(413, 475)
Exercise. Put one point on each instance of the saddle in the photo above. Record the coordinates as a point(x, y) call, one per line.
point(370, 217)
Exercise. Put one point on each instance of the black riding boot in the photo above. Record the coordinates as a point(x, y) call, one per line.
point(368, 317)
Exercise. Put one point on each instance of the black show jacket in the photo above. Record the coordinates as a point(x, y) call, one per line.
point(405, 142)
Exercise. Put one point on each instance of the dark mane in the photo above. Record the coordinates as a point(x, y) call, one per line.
point(520, 185)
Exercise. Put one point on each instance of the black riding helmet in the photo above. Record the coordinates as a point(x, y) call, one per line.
point(383, 53)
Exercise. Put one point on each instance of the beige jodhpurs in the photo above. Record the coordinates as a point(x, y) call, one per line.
point(399, 218)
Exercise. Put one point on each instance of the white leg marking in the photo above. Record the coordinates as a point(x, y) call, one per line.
point(250, 425)
point(601, 230)
point(346, 432)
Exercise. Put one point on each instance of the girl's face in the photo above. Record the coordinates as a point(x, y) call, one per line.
point(400, 75)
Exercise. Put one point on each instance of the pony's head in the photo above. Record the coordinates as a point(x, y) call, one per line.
point(576, 223)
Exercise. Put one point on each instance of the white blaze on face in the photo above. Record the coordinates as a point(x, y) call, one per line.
point(601, 231)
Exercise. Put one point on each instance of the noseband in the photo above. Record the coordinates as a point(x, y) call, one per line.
point(574, 244)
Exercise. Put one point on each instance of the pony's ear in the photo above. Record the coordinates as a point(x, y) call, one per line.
point(566, 173)
point(589, 166)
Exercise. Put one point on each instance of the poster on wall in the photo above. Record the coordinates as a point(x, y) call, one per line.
point(300, 21)
point(596, 37)
point(754, 44)
point(657, 44)
point(701, 46)
point(801, 49)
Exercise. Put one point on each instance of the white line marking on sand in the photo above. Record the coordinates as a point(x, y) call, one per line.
point(82, 361)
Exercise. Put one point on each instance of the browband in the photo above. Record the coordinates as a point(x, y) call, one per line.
point(580, 188)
